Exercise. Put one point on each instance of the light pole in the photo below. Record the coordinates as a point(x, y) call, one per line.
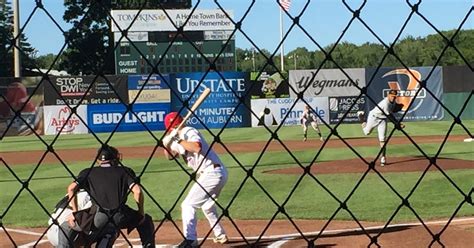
point(294, 57)
point(16, 36)
point(253, 57)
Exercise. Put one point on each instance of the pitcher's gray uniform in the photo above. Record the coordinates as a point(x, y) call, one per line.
point(377, 117)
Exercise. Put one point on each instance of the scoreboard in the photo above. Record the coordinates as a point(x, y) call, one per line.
point(182, 55)
point(152, 39)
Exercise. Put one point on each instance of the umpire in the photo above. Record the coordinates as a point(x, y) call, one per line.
point(108, 184)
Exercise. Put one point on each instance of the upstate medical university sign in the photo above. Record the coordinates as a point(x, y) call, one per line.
point(327, 82)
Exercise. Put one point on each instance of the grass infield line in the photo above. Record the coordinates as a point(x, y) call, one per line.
point(279, 239)
point(280, 243)
point(22, 232)
point(341, 231)
point(33, 244)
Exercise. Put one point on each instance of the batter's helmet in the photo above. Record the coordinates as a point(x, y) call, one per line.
point(108, 153)
point(172, 120)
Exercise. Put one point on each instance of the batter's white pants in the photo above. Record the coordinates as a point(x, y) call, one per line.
point(373, 122)
point(211, 180)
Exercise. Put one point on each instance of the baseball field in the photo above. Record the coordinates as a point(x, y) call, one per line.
point(281, 192)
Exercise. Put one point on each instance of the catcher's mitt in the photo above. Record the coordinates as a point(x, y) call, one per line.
point(397, 107)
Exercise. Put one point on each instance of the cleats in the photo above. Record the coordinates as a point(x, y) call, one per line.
point(221, 239)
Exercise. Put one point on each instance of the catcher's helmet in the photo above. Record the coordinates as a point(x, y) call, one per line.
point(172, 120)
point(108, 153)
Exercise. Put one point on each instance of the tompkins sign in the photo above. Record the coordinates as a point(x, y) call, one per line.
point(327, 82)
point(157, 20)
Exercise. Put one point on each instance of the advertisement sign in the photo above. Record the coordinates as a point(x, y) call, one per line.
point(273, 111)
point(106, 117)
point(406, 81)
point(327, 82)
point(219, 106)
point(56, 120)
point(339, 106)
point(155, 88)
point(25, 95)
point(218, 35)
point(153, 82)
point(149, 96)
point(94, 90)
point(269, 86)
point(132, 36)
point(157, 20)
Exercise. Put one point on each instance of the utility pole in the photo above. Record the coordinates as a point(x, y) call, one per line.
point(282, 50)
point(253, 58)
point(295, 57)
point(16, 36)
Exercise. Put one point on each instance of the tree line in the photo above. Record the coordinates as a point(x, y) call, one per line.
point(90, 46)
point(409, 51)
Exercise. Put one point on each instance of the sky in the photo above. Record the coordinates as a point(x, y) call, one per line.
point(323, 21)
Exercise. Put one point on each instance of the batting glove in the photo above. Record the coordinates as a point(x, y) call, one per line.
point(173, 133)
point(176, 147)
point(167, 140)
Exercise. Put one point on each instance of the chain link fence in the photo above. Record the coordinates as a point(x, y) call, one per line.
point(283, 209)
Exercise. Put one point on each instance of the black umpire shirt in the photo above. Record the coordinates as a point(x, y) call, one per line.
point(108, 185)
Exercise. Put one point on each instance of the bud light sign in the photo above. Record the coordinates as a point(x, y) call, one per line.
point(108, 117)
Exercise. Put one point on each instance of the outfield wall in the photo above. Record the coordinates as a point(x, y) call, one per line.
point(82, 104)
point(455, 101)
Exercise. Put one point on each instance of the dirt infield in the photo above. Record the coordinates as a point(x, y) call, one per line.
point(71, 155)
point(395, 164)
point(282, 233)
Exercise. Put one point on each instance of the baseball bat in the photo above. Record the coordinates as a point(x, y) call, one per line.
point(196, 104)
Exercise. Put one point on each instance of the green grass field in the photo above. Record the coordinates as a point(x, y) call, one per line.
point(373, 199)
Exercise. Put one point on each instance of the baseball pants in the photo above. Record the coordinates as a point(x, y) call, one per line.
point(130, 219)
point(313, 124)
point(212, 180)
point(373, 122)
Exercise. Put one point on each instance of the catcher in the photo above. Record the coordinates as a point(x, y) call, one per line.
point(108, 184)
point(212, 176)
point(61, 214)
point(377, 118)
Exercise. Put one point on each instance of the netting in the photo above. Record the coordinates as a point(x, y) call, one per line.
point(96, 15)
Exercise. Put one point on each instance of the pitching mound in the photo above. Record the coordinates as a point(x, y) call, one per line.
point(395, 164)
